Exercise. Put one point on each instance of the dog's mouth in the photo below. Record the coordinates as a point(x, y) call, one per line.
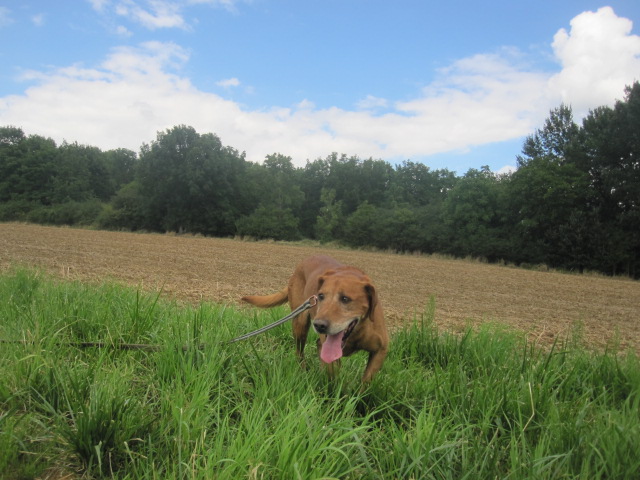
point(333, 344)
point(348, 330)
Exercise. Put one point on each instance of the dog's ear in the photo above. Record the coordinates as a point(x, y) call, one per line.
point(372, 295)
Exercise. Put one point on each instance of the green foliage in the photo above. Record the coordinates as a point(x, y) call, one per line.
point(190, 182)
point(416, 184)
point(68, 213)
point(125, 210)
point(484, 404)
point(573, 203)
point(17, 210)
point(556, 140)
point(475, 216)
point(27, 167)
point(273, 223)
point(65, 185)
point(80, 174)
point(330, 219)
point(360, 227)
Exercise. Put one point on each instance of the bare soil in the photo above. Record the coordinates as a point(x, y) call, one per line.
point(544, 305)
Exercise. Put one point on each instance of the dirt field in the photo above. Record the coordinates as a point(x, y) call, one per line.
point(544, 305)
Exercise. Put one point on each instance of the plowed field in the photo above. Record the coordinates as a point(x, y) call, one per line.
point(545, 305)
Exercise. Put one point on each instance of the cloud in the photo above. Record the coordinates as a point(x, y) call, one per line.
point(229, 82)
point(597, 56)
point(155, 14)
point(481, 99)
point(38, 20)
point(152, 14)
point(370, 103)
point(506, 170)
point(5, 17)
point(99, 5)
point(485, 98)
point(123, 31)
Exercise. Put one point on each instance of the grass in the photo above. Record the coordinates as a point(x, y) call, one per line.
point(481, 405)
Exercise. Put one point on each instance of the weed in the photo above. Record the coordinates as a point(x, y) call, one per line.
point(484, 404)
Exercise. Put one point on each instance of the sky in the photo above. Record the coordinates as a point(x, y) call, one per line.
point(455, 84)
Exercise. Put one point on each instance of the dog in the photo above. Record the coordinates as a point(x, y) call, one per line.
point(348, 315)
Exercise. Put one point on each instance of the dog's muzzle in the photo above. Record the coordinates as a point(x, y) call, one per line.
point(321, 326)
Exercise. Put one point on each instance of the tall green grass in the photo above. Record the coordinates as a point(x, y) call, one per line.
point(481, 405)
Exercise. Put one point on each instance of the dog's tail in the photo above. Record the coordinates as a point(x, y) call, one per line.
point(266, 301)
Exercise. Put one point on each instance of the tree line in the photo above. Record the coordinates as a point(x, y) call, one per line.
point(573, 202)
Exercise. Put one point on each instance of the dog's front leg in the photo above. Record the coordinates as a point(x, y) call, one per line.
point(376, 359)
point(300, 331)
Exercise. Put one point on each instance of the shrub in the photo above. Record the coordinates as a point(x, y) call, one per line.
point(69, 213)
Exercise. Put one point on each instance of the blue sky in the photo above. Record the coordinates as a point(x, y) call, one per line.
point(455, 84)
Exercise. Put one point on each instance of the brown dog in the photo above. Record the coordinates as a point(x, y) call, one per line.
point(348, 315)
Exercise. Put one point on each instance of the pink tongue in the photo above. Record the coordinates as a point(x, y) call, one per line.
point(332, 348)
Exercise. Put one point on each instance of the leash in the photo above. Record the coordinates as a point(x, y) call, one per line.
point(310, 303)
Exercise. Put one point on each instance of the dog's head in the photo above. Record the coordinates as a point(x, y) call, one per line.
point(346, 298)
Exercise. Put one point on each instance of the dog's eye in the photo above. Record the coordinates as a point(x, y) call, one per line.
point(345, 299)
point(321, 296)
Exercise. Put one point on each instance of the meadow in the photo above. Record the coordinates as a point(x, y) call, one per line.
point(482, 403)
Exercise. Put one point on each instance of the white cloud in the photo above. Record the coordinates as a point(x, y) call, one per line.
point(229, 5)
point(598, 55)
point(38, 20)
point(477, 100)
point(229, 82)
point(99, 5)
point(155, 14)
point(5, 17)
point(506, 170)
point(371, 102)
point(123, 31)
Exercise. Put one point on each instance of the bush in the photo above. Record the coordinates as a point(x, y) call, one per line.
point(69, 213)
point(276, 223)
point(124, 211)
point(15, 210)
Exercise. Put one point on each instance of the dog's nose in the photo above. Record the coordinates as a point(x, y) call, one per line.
point(321, 326)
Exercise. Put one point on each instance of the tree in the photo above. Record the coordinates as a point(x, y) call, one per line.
point(278, 183)
point(126, 209)
point(27, 169)
point(313, 181)
point(269, 222)
point(360, 227)
point(396, 229)
point(81, 174)
point(556, 140)
point(416, 184)
point(474, 216)
point(330, 218)
point(191, 182)
point(275, 197)
point(551, 196)
point(612, 139)
point(121, 164)
point(356, 181)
